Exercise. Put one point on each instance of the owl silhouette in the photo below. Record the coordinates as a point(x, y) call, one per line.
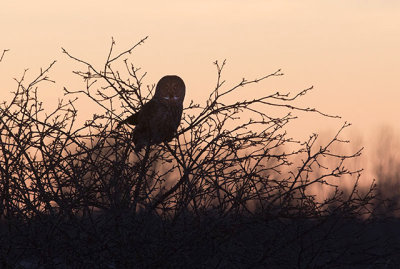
point(158, 119)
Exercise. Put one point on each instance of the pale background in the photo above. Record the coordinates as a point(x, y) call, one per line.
point(349, 50)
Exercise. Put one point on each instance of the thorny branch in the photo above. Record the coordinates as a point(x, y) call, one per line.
point(229, 158)
point(2, 55)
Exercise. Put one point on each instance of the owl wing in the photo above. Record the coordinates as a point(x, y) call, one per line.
point(130, 120)
point(136, 118)
point(144, 121)
point(147, 113)
point(155, 122)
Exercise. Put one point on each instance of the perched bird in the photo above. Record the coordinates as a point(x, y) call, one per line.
point(158, 119)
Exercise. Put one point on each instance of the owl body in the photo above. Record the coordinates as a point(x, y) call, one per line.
point(158, 119)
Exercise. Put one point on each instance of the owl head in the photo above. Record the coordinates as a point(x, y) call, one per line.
point(171, 90)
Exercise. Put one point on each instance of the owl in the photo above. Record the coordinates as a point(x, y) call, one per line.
point(158, 119)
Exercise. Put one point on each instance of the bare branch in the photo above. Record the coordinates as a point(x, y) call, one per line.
point(2, 55)
point(231, 173)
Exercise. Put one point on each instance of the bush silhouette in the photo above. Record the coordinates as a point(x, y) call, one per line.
point(230, 189)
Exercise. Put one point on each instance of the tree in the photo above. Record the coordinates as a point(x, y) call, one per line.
point(231, 172)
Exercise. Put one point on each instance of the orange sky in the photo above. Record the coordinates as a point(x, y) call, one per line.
point(349, 50)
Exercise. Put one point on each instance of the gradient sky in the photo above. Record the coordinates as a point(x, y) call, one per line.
point(348, 50)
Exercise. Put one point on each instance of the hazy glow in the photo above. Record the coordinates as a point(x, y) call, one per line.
point(349, 50)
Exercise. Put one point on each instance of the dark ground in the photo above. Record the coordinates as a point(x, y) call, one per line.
point(124, 240)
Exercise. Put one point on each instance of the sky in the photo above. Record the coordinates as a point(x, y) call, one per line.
point(348, 50)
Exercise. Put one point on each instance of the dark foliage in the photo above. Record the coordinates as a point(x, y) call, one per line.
point(230, 190)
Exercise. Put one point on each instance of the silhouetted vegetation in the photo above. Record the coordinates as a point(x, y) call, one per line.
point(387, 172)
point(231, 190)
